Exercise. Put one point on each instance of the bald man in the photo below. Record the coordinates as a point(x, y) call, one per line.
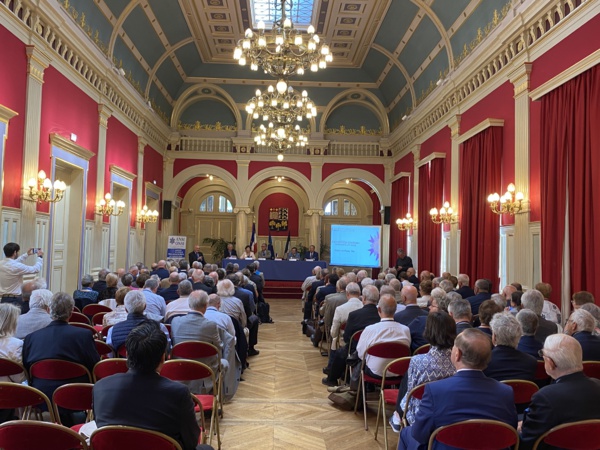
point(409, 296)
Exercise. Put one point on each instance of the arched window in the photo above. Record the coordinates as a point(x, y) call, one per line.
point(332, 208)
point(208, 204)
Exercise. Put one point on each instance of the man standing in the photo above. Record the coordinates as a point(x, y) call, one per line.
point(12, 269)
point(196, 255)
point(404, 262)
point(468, 394)
point(311, 254)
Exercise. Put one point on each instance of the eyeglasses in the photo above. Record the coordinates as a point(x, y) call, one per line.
point(541, 353)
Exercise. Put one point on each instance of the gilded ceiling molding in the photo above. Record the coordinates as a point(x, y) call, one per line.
point(117, 28)
point(440, 27)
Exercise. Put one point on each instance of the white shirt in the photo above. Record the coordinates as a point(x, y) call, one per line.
point(178, 306)
point(221, 319)
point(12, 348)
point(12, 271)
point(387, 330)
point(551, 312)
point(340, 316)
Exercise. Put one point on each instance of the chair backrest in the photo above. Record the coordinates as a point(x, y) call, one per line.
point(523, 390)
point(73, 396)
point(108, 367)
point(98, 318)
point(422, 349)
point(116, 437)
point(84, 326)
point(104, 331)
point(194, 350)
point(540, 371)
point(476, 434)
point(76, 309)
point(58, 369)
point(31, 434)
point(582, 435)
point(398, 366)
point(14, 395)
point(388, 350)
point(592, 369)
point(186, 370)
point(103, 348)
point(354, 339)
point(94, 308)
point(79, 318)
point(8, 368)
point(416, 392)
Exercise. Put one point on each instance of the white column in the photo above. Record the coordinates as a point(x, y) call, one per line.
point(140, 197)
point(314, 231)
point(454, 256)
point(241, 228)
point(37, 62)
point(104, 114)
point(167, 228)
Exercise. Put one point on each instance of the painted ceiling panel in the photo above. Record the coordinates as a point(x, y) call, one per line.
point(392, 84)
point(169, 77)
point(161, 102)
point(142, 34)
point(431, 74)
point(404, 106)
point(375, 63)
point(172, 20)
point(188, 57)
point(448, 15)
point(130, 64)
point(396, 22)
point(116, 6)
point(94, 19)
point(208, 112)
point(423, 40)
point(353, 116)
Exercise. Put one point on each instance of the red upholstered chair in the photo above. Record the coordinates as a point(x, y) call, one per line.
point(75, 397)
point(108, 367)
point(592, 369)
point(97, 319)
point(389, 395)
point(116, 437)
point(422, 349)
point(10, 368)
point(387, 350)
point(94, 308)
point(79, 318)
point(523, 390)
point(104, 331)
point(416, 392)
point(476, 434)
point(103, 348)
point(85, 326)
point(188, 370)
point(31, 434)
point(58, 369)
point(582, 435)
point(14, 395)
point(353, 339)
point(540, 372)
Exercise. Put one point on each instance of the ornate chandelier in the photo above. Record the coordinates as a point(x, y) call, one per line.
point(445, 215)
point(281, 137)
point(41, 189)
point(282, 105)
point(284, 50)
point(510, 202)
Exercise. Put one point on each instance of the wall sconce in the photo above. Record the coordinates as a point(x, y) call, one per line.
point(40, 190)
point(147, 216)
point(106, 206)
point(445, 215)
point(279, 179)
point(210, 177)
point(405, 224)
point(510, 202)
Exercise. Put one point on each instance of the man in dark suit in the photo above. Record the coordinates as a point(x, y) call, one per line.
point(141, 397)
point(572, 397)
point(464, 289)
point(403, 262)
point(533, 300)
point(460, 311)
point(482, 293)
point(409, 296)
point(196, 255)
point(230, 252)
point(311, 254)
point(59, 340)
point(171, 293)
point(198, 282)
point(581, 325)
point(329, 288)
point(247, 299)
point(507, 362)
point(468, 394)
point(100, 285)
point(160, 270)
point(529, 324)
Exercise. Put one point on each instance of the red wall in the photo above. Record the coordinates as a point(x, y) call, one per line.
point(122, 150)
point(406, 164)
point(153, 166)
point(13, 82)
point(182, 164)
point(376, 169)
point(65, 110)
point(440, 142)
point(257, 166)
point(278, 201)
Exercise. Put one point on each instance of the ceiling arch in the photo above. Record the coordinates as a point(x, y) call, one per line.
point(344, 98)
point(162, 59)
point(402, 69)
point(271, 172)
point(188, 97)
point(440, 27)
point(119, 25)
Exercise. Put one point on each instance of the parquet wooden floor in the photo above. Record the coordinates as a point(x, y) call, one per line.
point(282, 403)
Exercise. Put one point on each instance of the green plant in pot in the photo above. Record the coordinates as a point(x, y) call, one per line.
point(218, 246)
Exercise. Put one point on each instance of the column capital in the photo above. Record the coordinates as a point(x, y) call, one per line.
point(416, 151)
point(37, 62)
point(454, 125)
point(142, 142)
point(520, 78)
point(242, 209)
point(104, 113)
point(315, 211)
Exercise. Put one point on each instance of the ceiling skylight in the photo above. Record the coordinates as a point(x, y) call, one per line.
point(299, 11)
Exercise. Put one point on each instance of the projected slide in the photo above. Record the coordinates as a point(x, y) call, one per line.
point(355, 245)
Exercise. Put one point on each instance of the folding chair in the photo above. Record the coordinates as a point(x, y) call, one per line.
point(386, 350)
point(108, 367)
point(78, 317)
point(98, 318)
point(188, 370)
point(389, 396)
point(94, 308)
point(416, 392)
point(14, 395)
point(523, 390)
point(541, 377)
point(199, 411)
point(476, 434)
point(104, 332)
point(422, 349)
point(10, 368)
point(582, 435)
point(58, 369)
point(592, 369)
point(117, 437)
point(103, 349)
point(31, 434)
point(85, 326)
point(75, 397)
point(353, 339)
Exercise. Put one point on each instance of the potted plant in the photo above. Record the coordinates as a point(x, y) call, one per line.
point(218, 245)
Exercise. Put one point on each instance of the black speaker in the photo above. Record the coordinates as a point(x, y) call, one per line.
point(166, 210)
point(387, 210)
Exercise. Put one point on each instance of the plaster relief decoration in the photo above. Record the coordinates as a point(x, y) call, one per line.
point(278, 219)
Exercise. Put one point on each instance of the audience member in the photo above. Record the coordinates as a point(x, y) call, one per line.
point(10, 346)
point(425, 289)
point(213, 314)
point(155, 304)
point(581, 298)
point(12, 269)
point(446, 285)
point(572, 396)
point(27, 289)
point(594, 310)
point(160, 270)
point(581, 325)
point(517, 286)
point(332, 301)
point(534, 300)
point(482, 293)
point(550, 311)
point(120, 313)
point(439, 302)
point(463, 286)
point(529, 324)
point(111, 287)
point(38, 316)
point(412, 310)
point(460, 311)
point(515, 302)
point(180, 306)
point(171, 293)
point(230, 304)
point(507, 293)
point(86, 295)
point(486, 311)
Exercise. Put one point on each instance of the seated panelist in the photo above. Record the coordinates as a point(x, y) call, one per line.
point(311, 254)
point(264, 252)
point(293, 254)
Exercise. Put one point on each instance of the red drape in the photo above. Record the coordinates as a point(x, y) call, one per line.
point(570, 142)
point(480, 162)
point(399, 208)
point(431, 194)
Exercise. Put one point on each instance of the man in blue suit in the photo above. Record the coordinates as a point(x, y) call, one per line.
point(468, 394)
point(311, 255)
point(581, 325)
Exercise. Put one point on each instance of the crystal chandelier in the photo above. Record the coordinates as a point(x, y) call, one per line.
point(281, 137)
point(282, 105)
point(284, 50)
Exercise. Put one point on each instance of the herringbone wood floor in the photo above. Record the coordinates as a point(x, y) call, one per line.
point(283, 405)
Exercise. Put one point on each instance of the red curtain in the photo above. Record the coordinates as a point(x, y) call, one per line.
point(431, 194)
point(480, 163)
point(376, 208)
point(398, 210)
point(570, 142)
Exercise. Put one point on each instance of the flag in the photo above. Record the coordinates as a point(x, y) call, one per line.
point(252, 243)
point(287, 244)
point(270, 246)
